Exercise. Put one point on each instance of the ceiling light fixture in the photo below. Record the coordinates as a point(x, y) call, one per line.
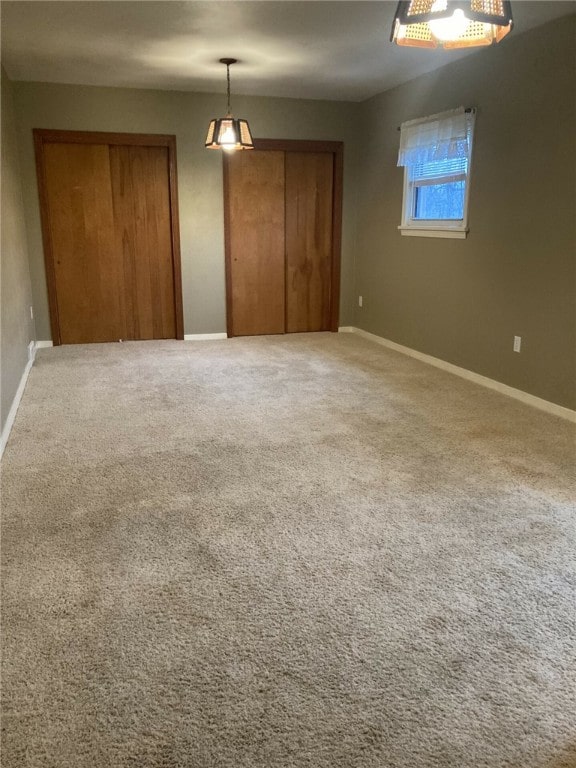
point(226, 132)
point(447, 24)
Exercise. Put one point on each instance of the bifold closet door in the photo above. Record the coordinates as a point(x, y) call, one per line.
point(282, 242)
point(309, 180)
point(108, 233)
point(255, 233)
point(87, 272)
point(141, 201)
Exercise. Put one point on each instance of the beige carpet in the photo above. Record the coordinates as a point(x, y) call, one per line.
point(284, 552)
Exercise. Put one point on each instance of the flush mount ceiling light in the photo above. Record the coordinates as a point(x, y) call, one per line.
point(447, 24)
point(226, 132)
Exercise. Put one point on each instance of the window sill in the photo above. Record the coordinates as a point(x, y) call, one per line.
point(459, 234)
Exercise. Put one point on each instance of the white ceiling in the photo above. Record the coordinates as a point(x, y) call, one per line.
point(315, 49)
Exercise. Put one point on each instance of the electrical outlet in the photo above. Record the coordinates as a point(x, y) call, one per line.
point(359, 301)
point(517, 343)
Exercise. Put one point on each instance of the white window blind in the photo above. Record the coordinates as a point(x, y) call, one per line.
point(442, 171)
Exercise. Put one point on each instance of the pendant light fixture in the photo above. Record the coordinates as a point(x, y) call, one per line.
point(227, 133)
point(451, 24)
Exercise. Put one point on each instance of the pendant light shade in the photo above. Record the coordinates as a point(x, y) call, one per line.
point(451, 24)
point(228, 133)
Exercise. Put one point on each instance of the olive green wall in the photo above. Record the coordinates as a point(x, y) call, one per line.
point(16, 326)
point(459, 300)
point(464, 300)
point(85, 108)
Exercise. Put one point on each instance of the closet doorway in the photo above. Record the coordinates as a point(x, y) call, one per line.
point(109, 211)
point(283, 221)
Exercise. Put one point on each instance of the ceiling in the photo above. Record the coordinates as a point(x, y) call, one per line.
point(315, 49)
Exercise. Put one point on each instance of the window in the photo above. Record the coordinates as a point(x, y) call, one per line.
point(436, 152)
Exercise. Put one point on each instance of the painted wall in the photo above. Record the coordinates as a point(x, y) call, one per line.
point(458, 300)
point(42, 105)
point(464, 300)
point(16, 326)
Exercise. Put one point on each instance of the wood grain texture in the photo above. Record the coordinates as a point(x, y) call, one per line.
point(49, 265)
point(175, 235)
point(309, 185)
point(255, 242)
point(88, 276)
point(333, 154)
point(104, 137)
point(227, 245)
point(141, 199)
point(337, 196)
point(297, 145)
point(147, 182)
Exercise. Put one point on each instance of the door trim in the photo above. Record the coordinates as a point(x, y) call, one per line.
point(46, 136)
point(336, 149)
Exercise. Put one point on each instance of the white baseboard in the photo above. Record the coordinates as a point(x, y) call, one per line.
point(187, 337)
point(464, 373)
point(204, 336)
point(15, 403)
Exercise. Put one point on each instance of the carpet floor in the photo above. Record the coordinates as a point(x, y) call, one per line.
point(302, 551)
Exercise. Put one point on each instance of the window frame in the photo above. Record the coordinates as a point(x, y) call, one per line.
point(449, 228)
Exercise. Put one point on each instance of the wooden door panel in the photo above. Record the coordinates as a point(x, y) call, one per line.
point(109, 209)
point(256, 242)
point(142, 222)
point(309, 206)
point(88, 278)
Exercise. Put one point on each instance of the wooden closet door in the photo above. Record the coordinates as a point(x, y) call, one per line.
point(88, 276)
point(283, 214)
point(109, 209)
point(309, 205)
point(140, 194)
point(255, 230)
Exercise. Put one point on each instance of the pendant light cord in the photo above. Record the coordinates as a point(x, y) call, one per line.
point(228, 83)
